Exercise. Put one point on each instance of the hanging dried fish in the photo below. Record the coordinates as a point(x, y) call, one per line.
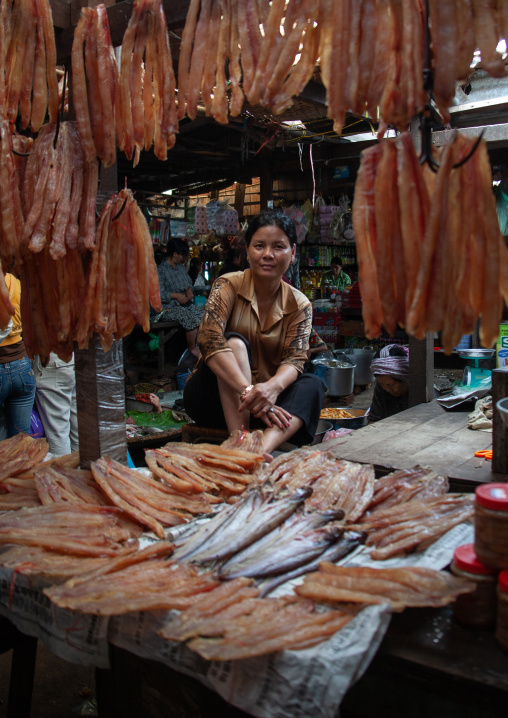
point(412, 250)
point(122, 280)
point(28, 57)
point(147, 84)
point(96, 103)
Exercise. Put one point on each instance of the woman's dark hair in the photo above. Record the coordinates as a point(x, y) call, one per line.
point(272, 218)
point(177, 245)
point(233, 254)
point(337, 260)
point(194, 267)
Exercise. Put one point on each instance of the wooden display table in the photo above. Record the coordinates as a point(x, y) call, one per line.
point(428, 435)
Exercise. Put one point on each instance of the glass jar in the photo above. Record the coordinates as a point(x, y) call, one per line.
point(491, 525)
point(502, 610)
point(479, 607)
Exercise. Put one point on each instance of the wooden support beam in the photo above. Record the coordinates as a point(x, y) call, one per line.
point(421, 370)
point(499, 430)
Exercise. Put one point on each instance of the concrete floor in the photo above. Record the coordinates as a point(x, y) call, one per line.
point(61, 689)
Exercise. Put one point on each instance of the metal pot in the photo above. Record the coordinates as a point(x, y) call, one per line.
point(358, 419)
point(363, 359)
point(322, 427)
point(338, 379)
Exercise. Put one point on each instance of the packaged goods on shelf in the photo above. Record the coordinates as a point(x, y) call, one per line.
point(326, 320)
point(352, 327)
point(179, 228)
point(197, 216)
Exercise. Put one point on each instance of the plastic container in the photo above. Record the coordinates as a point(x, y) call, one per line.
point(181, 379)
point(502, 610)
point(477, 608)
point(491, 525)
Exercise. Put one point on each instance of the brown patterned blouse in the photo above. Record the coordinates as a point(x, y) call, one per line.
point(232, 307)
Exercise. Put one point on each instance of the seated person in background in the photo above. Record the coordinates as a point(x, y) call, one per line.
point(175, 288)
point(254, 339)
point(17, 385)
point(197, 278)
point(337, 277)
point(391, 393)
point(233, 262)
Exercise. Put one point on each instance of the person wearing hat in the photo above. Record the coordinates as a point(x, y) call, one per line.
point(391, 393)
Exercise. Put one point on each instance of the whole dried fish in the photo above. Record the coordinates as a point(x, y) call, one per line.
point(250, 520)
point(346, 544)
point(290, 545)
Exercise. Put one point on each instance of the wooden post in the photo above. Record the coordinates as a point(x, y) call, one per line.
point(239, 197)
point(499, 429)
point(100, 384)
point(100, 397)
point(421, 370)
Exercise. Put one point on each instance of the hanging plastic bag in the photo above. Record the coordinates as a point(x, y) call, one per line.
point(502, 209)
point(317, 206)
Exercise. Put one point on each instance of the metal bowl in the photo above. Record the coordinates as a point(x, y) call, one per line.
point(502, 407)
point(359, 418)
point(476, 353)
point(323, 426)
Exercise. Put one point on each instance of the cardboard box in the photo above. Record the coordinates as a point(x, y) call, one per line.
point(502, 346)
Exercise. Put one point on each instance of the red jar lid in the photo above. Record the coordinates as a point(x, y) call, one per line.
point(466, 559)
point(492, 496)
point(503, 581)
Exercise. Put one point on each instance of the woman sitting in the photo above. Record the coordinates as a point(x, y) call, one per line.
point(254, 339)
point(391, 394)
point(175, 288)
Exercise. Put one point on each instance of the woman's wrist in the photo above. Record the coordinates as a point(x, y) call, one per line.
point(246, 392)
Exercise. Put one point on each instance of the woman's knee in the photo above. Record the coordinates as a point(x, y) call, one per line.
point(238, 347)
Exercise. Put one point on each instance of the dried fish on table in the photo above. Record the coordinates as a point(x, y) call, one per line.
point(404, 485)
point(53, 566)
point(251, 441)
point(80, 531)
point(145, 500)
point(209, 472)
point(269, 625)
point(400, 587)
point(20, 453)
point(414, 524)
point(210, 614)
point(234, 528)
point(137, 584)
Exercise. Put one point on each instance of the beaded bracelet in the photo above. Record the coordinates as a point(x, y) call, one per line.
point(246, 391)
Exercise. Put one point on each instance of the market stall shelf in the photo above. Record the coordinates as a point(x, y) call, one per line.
point(427, 435)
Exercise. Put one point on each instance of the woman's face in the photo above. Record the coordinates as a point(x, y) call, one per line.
point(392, 386)
point(177, 258)
point(269, 252)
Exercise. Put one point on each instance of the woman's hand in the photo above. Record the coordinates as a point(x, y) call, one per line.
point(260, 402)
point(181, 298)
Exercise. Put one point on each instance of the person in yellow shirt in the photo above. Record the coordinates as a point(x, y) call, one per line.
point(17, 384)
